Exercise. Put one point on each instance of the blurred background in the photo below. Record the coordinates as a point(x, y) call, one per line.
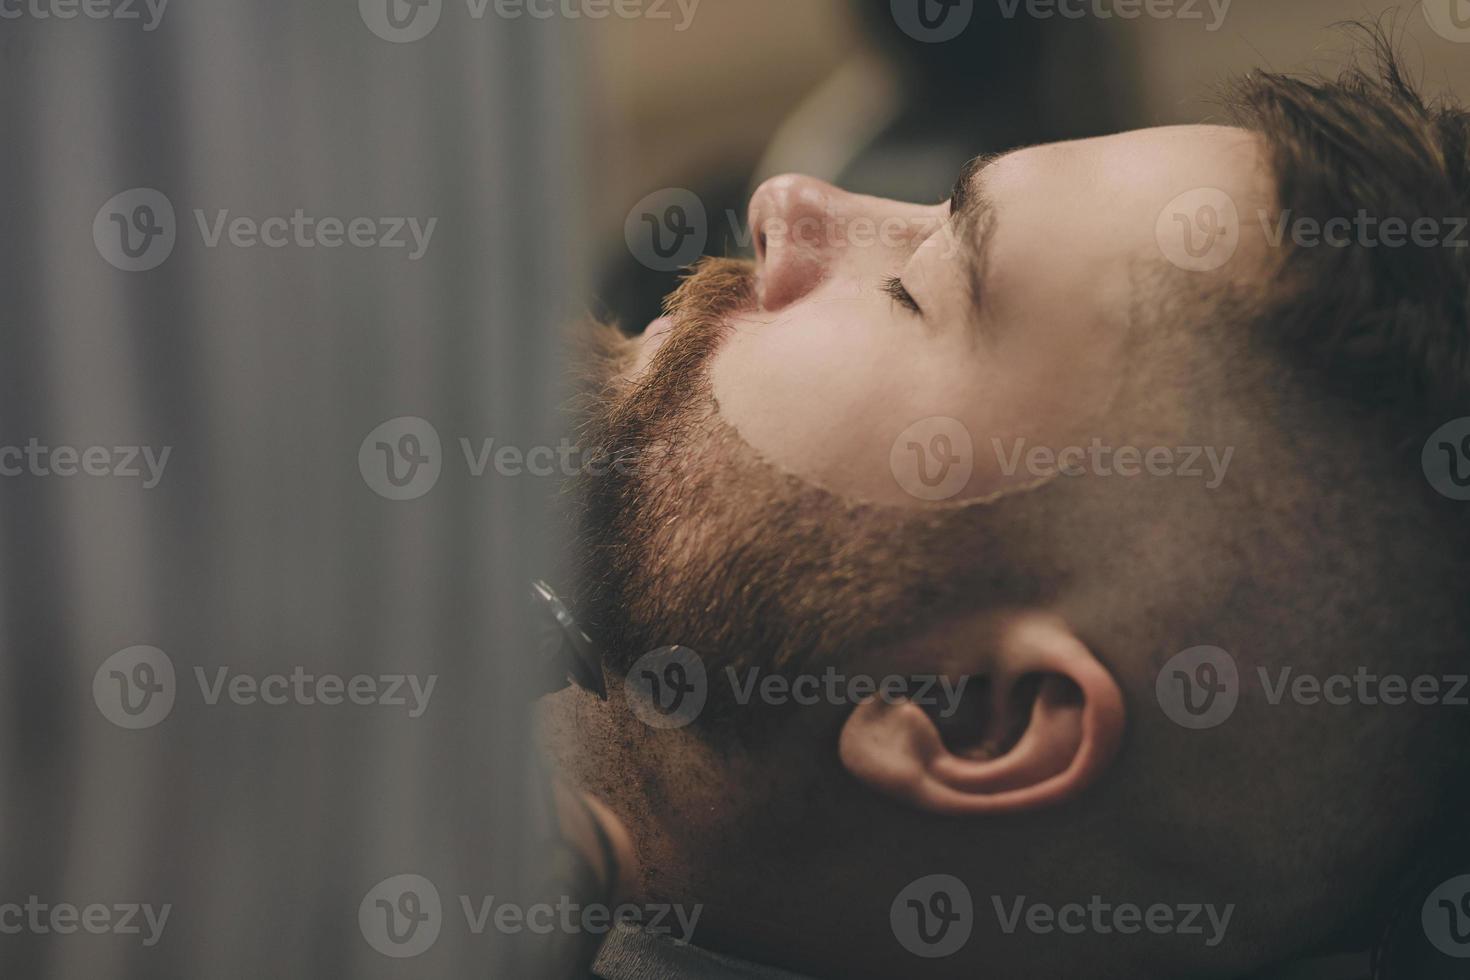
point(859, 94)
point(281, 282)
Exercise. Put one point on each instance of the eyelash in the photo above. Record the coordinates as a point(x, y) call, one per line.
point(899, 293)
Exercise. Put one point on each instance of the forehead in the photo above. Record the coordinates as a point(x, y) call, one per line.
point(1075, 219)
point(1111, 190)
point(1143, 162)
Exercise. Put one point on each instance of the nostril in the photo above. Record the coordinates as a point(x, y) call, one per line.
point(788, 265)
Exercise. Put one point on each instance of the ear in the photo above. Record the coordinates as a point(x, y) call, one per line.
point(1039, 719)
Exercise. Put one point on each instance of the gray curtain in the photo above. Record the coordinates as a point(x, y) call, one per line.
point(264, 547)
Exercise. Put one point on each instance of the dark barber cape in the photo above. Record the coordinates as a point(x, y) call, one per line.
point(629, 953)
point(632, 954)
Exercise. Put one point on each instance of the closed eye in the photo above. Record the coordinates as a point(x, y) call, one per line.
point(899, 293)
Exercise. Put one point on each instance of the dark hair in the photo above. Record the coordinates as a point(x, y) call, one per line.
point(1385, 327)
point(1384, 333)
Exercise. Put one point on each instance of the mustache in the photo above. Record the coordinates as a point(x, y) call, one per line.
point(712, 290)
point(617, 409)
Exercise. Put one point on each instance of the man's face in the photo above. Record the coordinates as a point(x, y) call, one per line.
point(889, 357)
point(1023, 285)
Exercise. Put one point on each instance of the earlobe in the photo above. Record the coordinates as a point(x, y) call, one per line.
point(1042, 722)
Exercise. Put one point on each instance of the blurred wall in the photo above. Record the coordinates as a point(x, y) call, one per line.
point(1179, 62)
point(666, 107)
point(274, 539)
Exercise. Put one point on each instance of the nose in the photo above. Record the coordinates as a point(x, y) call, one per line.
point(793, 220)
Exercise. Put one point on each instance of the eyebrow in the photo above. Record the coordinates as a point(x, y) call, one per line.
point(972, 212)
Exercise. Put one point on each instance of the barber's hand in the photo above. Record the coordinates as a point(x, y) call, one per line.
point(590, 852)
point(584, 858)
point(599, 839)
point(580, 858)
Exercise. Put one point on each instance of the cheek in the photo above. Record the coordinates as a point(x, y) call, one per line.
point(824, 392)
point(796, 387)
point(872, 407)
